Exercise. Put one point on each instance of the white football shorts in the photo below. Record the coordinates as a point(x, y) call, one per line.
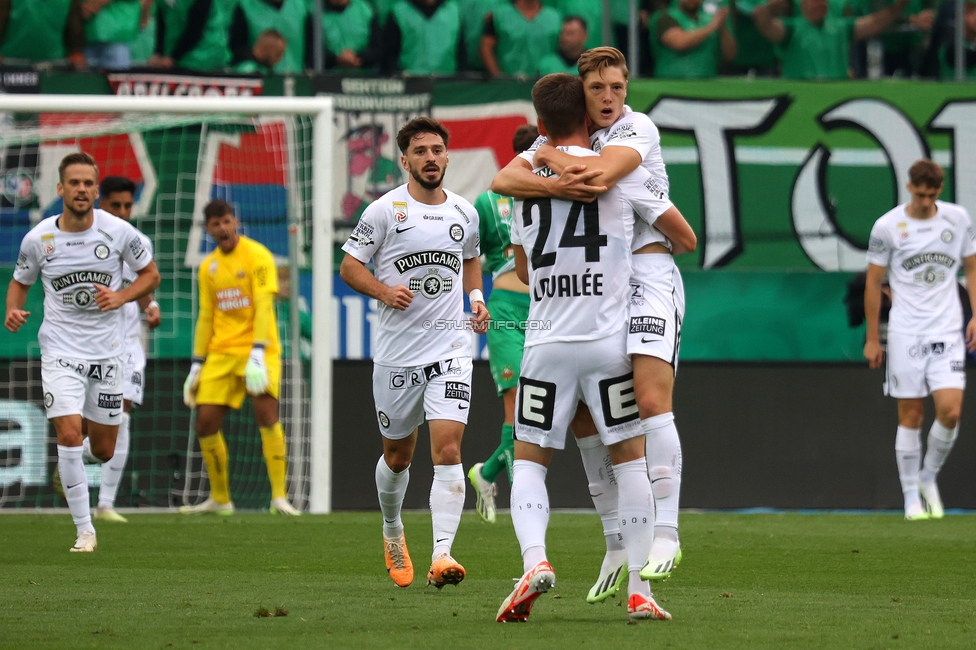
point(556, 376)
point(91, 389)
point(134, 377)
point(918, 365)
point(657, 308)
point(403, 396)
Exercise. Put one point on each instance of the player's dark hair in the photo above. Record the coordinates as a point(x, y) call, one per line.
point(415, 127)
point(112, 184)
point(559, 101)
point(77, 158)
point(217, 208)
point(926, 173)
point(598, 59)
point(524, 136)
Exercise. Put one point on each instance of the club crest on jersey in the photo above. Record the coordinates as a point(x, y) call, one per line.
point(930, 276)
point(101, 251)
point(411, 261)
point(456, 232)
point(399, 211)
point(47, 244)
point(432, 284)
point(947, 235)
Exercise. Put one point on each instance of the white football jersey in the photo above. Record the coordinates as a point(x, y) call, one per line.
point(132, 315)
point(421, 247)
point(579, 258)
point(923, 258)
point(637, 131)
point(69, 265)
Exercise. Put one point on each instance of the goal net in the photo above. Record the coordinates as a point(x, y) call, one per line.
point(264, 156)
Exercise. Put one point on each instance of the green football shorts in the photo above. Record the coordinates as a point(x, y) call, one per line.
point(506, 336)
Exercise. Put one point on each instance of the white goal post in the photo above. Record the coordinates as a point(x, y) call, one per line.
point(319, 111)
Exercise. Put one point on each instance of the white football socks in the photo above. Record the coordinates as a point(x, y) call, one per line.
point(113, 469)
point(635, 512)
point(908, 458)
point(663, 453)
point(391, 487)
point(446, 505)
point(603, 488)
point(530, 510)
point(75, 484)
point(940, 443)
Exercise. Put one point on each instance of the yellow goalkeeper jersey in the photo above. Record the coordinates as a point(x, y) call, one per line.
point(230, 285)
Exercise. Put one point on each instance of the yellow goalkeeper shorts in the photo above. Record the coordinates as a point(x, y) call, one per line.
point(222, 379)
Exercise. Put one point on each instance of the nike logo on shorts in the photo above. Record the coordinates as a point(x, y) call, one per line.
point(462, 407)
point(68, 487)
point(112, 415)
point(644, 339)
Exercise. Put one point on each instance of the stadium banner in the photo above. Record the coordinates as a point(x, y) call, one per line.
point(154, 84)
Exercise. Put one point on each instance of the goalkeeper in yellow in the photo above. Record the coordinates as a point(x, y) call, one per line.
point(235, 350)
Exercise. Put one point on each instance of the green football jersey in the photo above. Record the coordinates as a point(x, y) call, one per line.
point(494, 226)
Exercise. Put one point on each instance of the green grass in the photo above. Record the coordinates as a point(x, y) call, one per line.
point(747, 581)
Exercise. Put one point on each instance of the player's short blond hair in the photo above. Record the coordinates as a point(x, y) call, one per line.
point(926, 173)
point(598, 59)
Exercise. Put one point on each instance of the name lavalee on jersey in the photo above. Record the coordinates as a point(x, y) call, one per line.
point(568, 286)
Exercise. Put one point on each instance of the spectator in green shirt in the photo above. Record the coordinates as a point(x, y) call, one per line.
point(423, 37)
point(109, 27)
point(573, 38)
point(32, 30)
point(816, 45)
point(688, 42)
point(350, 34)
point(290, 18)
point(192, 34)
point(516, 37)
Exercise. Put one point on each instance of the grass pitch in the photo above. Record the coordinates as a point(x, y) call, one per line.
point(747, 581)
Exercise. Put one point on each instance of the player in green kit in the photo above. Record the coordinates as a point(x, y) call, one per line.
point(509, 306)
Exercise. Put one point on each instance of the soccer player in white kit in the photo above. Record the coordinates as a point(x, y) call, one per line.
point(625, 141)
point(423, 240)
point(117, 196)
point(921, 245)
point(575, 257)
point(79, 257)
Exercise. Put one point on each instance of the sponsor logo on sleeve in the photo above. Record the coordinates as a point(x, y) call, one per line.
point(461, 212)
point(362, 236)
point(623, 131)
point(876, 245)
point(22, 264)
point(647, 325)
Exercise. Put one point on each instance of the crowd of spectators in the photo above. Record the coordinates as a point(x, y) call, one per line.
point(795, 39)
